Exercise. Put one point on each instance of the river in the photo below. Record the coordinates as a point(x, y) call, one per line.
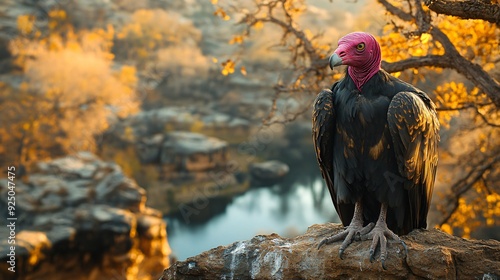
point(287, 208)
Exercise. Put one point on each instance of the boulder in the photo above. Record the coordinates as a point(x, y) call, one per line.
point(432, 254)
point(192, 152)
point(82, 218)
point(268, 171)
point(149, 148)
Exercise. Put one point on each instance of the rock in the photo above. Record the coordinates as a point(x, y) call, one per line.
point(221, 121)
point(269, 171)
point(80, 216)
point(432, 254)
point(149, 148)
point(192, 152)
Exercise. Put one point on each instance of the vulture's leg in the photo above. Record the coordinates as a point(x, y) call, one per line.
point(355, 229)
point(379, 234)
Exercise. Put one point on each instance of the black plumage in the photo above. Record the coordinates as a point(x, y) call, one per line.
point(378, 145)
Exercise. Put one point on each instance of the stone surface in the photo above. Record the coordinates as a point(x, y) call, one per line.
point(432, 254)
point(182, 151)
point(192, 152)
point(269, 170)
point(147, 124)
point(82, 218)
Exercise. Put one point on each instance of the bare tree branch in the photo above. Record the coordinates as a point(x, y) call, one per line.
point(485, 120)
point(440, 61)
point(396, 11)
point(467, 182)
point(466, 9)
point(472, 71)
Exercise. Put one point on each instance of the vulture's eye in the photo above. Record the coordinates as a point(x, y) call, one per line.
point(360, 46)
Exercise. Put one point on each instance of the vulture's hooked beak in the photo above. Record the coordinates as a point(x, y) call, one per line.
point(335, 60)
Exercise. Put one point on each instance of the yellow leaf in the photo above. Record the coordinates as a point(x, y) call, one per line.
point(489, 66)
point(25, 23)
point(258, 25)
point(425, 37)
point(447, 228)
point(215, 60)
point(243, 70)
point(228, 67)
point(215, 2)
point(238, 39)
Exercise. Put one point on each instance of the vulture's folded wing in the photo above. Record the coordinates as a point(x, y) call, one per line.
point(414, 129)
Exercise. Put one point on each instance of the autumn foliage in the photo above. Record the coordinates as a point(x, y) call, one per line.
point(69, 91)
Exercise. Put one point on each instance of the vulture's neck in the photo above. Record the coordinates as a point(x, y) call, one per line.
point(361, 75)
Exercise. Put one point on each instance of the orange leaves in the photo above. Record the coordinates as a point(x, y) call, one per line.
point(243, 70)
point(128, 76)
point(222, 14)
point(238, 39)
point(452, 96)
point(227, 67)
point(475, 39)
point(395, 46)
point(25, 24)
point(446, 228)
point(471, 211)
point(425, 37)
point(294, 7)
point(258, 25)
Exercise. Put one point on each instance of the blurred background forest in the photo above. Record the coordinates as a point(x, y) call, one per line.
point(207, 104)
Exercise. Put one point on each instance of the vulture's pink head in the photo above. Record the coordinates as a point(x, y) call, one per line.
point(361, 52)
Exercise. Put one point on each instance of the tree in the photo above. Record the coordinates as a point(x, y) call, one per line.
point(451, 50)
point(150, 40)
point(151, 30)
point(69, 91)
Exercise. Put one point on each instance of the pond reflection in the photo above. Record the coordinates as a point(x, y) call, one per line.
point(287, 208)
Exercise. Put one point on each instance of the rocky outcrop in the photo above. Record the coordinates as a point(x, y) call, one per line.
point(184, 155)
point(193, 152)
point(81, 218)
point(432, 254)
point(151, 122)
point(268, 171)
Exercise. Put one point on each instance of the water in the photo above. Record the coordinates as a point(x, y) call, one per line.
point(287, 209)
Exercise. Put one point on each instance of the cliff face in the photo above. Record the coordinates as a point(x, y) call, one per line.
point(81, 218)
point(432, 254)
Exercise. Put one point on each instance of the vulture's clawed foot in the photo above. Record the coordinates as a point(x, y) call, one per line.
point(354, 231)
point(379, 235)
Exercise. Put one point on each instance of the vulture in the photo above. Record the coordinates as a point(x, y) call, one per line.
point(376, 139)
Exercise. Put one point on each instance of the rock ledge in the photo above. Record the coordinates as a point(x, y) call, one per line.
point(432, 254)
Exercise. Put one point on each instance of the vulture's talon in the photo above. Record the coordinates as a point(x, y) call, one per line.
point(372, 255)
point(323, 242)
point(406, 248)
point(383, 264)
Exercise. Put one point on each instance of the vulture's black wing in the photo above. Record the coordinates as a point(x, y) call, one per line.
point(414, 129)
point(323, 130)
